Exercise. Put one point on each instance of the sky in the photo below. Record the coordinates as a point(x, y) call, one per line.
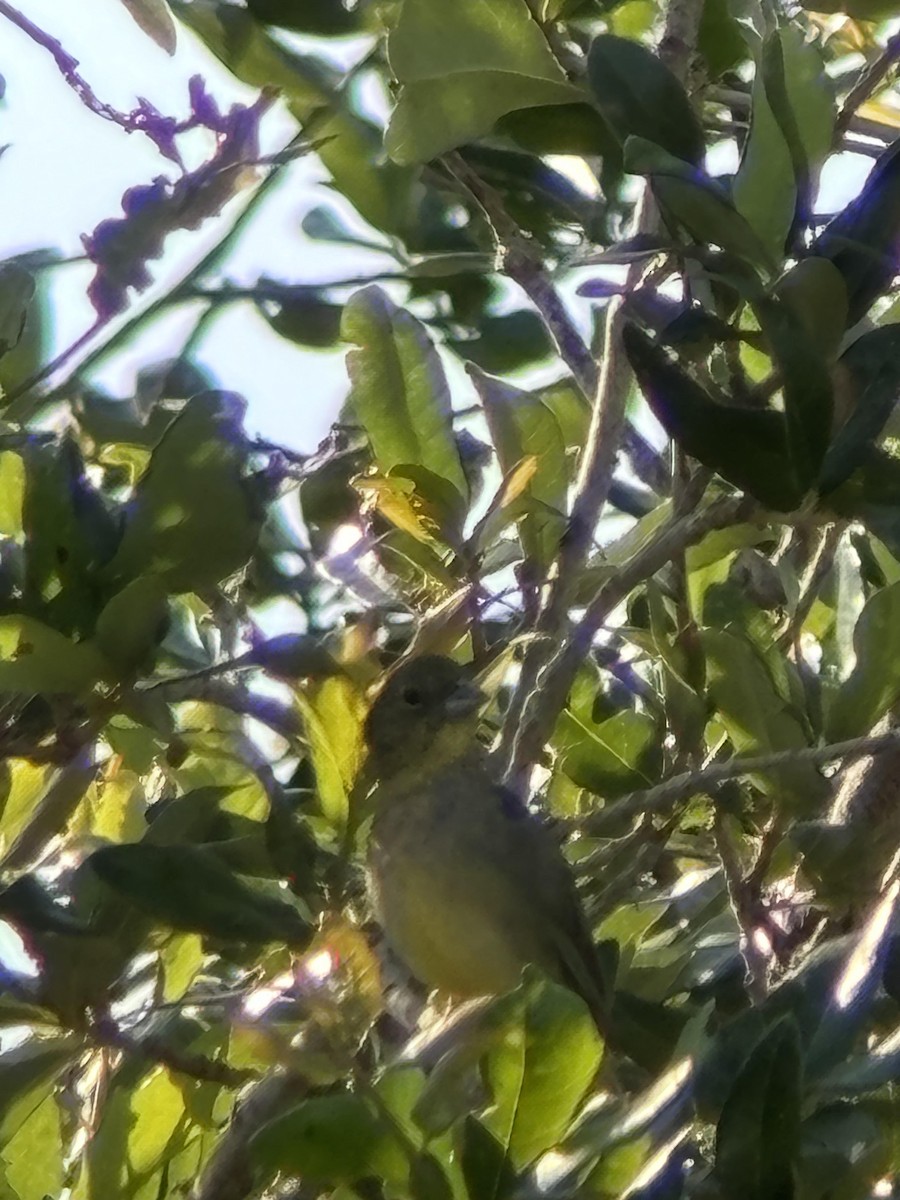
point(65, 170)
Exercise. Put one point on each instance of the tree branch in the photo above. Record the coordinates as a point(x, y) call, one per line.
point(546, 699)
point(871, 76)
point(156, 1049)
point(523, 736)
point(520, 263)
point(683, 786)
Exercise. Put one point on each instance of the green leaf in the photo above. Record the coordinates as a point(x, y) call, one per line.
point(155, 20)
point(333, 713)
point(814, 290)
point(34, 1157)
point(756, 715)
point(463, 67)
point(132, 624)
point(609, 757)
point(690, 200)
point(399, 391)
point(192, 519)
point(758, 1134)
point(142, 1124)
point(354, 152)
point(638, 95)
point(792, 119)
point(35, 658)
point(805, 385)
point(12, 493)
point(523, 426)
point(873, 685)
point(748, 447)
point(25, 1072)
point(189, 887)
point(872, 366)
point(539, 1072)
point(16, 294)
point(336, 1138)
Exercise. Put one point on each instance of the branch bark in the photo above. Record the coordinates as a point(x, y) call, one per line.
point(523, 734)
point(689, 783)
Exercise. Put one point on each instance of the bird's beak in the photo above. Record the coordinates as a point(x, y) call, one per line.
point(466, 699)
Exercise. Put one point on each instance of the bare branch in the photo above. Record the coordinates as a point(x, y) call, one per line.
point(682, 787)
point(522, 738)
point(521, 264)
point(545, 701)
point(871, 77)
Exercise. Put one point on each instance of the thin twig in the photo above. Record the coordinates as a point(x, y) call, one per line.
point(683, 786)
point(744, 905)
point(228, 1173)
point(135, 122)
point(816, 574)
point(29, 405)
point(524, 735)
point(871, 77)
point(520, 263)
point(547, 698)
point(156, 1049)
point(738, 100)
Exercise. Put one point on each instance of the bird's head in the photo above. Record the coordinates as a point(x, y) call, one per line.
point(424, 716)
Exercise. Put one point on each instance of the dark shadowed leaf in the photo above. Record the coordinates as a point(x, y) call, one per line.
point(806, 387)
point(872, 367)
point(461, 69)
point(337, 1137)
point(16, 293)
point(638, 95)
point(189, 887)
point(758, 1133)
point(848, 1009)
point(863, 241)
point(749, 447)
point(485, 1163)
point(324, 18)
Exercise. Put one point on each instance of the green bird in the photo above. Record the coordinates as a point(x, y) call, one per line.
point(467, 884)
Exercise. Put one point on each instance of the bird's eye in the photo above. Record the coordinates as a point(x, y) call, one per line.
point(412, 696)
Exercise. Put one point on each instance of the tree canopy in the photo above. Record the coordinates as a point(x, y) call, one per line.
point(619, 428)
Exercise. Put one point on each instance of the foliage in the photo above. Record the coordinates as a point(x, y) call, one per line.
point(182, 791)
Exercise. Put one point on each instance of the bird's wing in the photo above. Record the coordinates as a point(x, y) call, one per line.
point(548, 880)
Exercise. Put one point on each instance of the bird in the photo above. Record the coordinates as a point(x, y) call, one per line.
point(469, 886)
